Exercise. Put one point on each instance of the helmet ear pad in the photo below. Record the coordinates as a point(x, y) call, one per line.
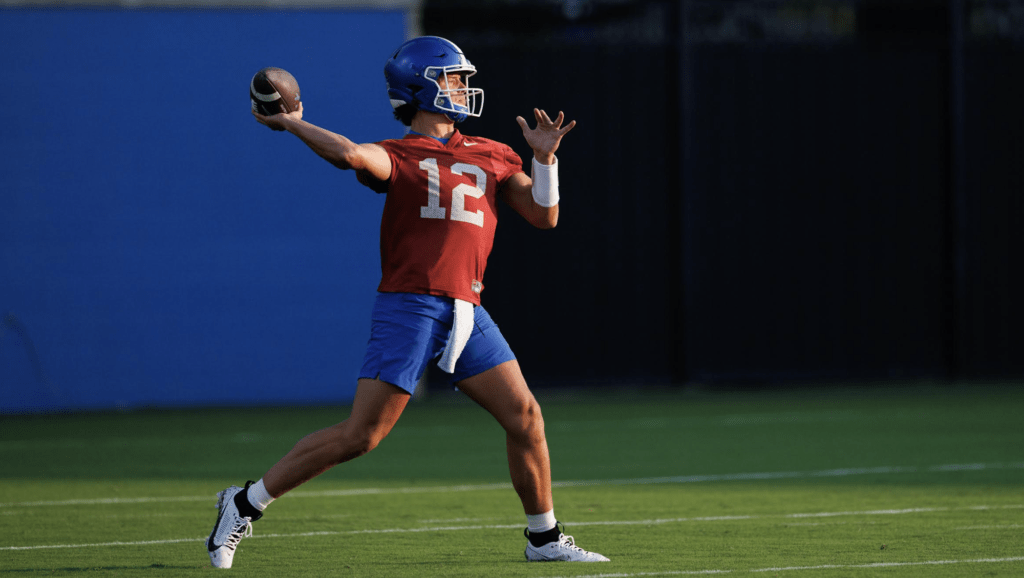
point(400, 95)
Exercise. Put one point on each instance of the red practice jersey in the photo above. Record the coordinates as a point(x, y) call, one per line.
point(441, 211)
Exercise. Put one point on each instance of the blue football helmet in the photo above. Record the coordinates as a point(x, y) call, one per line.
point(412, 75)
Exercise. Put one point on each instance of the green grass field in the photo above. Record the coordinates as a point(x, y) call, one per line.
point(840, 481)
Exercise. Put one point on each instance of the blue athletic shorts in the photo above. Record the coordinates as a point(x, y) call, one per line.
point(409, 331)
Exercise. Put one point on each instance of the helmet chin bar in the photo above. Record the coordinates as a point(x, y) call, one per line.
point(445, 100)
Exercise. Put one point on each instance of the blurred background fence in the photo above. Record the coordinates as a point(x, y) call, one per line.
point(758, 191)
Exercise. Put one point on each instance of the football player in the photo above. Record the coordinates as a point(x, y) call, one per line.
point(437, 229)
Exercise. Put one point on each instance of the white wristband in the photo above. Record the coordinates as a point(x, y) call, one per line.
point(545, 183)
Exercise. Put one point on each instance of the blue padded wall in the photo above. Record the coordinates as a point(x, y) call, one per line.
point(158, 247)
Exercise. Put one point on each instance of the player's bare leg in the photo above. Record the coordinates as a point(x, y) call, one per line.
point(503, 392)
point(376, 408)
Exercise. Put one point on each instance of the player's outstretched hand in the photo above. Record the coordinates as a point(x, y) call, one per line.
point(545, 138)
point(276, 121)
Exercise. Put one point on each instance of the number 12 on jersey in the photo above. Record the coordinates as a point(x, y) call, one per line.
point(434, 210)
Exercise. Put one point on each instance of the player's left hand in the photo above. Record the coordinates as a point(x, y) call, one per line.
point(545, 138)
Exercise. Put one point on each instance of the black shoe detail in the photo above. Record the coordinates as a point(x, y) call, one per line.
point(541, 538)
point(245, 508)
point(209, 541)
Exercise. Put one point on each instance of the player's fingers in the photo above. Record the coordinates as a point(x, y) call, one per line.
point(265, 121)
point(522, 122)
point(567, 127)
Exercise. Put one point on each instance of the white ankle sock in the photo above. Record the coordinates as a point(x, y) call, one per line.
point(258, 496)
point(541, 522)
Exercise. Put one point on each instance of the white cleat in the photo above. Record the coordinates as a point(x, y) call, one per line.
point(564, 550)
point(229, 530)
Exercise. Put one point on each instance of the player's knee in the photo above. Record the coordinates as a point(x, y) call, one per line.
point(361, 445)
point(358, 440)
point(528, 424)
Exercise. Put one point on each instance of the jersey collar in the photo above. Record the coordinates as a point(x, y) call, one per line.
point(453, 141)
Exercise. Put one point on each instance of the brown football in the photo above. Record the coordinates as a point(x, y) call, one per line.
point(273, 91)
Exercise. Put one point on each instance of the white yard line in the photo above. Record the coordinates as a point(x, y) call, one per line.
point(479, 527)
point(797, 568)
point(833, 473)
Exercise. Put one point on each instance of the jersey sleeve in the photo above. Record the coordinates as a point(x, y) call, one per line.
point(375, 185)
point(513, 164)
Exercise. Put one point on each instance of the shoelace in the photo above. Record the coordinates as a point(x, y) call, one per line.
point(568, 542)
point(243, 530)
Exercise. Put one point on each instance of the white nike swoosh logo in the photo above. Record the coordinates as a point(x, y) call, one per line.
point(470, 144)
